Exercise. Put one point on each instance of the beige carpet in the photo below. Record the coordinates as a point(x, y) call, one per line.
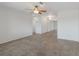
point(40, 45)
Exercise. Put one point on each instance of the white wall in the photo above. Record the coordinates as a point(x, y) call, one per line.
point(37, 24)
point(68, 25)
point(14, 24)
point(42, 24)
point(48, 25)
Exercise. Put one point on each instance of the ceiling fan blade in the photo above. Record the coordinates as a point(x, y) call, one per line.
point(43, 10)
point(27, 9)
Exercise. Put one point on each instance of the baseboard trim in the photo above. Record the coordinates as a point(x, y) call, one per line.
point(15, 39)
point(68, 39)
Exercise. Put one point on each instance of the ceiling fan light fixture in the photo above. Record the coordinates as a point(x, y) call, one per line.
point(39, 9)
point(36, 11)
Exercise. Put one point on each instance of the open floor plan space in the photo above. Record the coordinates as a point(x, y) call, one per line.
point(39, 28)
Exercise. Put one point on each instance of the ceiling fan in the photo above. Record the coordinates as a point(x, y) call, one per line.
point(39, 9)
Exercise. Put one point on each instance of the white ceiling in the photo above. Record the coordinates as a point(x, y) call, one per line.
point(51, 6)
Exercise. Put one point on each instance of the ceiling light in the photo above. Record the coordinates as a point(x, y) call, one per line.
point(52, 17)
point(39, 9)
point(35, 10)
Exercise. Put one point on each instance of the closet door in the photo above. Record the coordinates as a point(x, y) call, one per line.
point(50, 26)
point(55, 25)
